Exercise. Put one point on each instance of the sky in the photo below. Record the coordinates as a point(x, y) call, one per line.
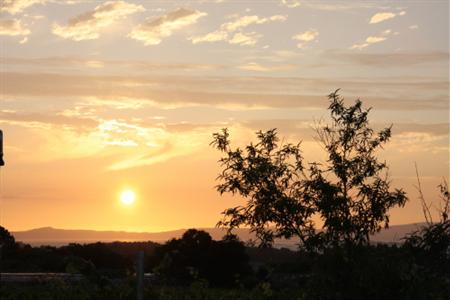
point(99, 97)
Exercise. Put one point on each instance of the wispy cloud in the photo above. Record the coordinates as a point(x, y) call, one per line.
point(372, 40)
point(252, 66)
point(150, 145)
point(383, 16)
point(305, 127)
point(13, 27)
point(214, 36)
point(48, 119)
point(290, 3)
point(262, 91)
point(330, 5)
point(123, 143)
point(383, 60)
point(232, 31)
point(245, 21)
point(305, 37)
point(241, 38)
point(87, 26)
point(153, 31)
point(16, 6)
point(67, 62)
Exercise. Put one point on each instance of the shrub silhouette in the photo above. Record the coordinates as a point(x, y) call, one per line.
point(196, 256)
point(430, 245)
point(7, 242)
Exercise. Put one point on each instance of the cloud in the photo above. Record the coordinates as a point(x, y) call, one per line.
point(65, 62)
point(375, 39)
point(154, 30)
point(338, 5)
point(232, 33)
point(305, 127)
point(306, 37)
point(46, 120)
point(383, 16)
point(245, 21)
point(420, 142)
point(87, 26)
point(433, 129)
point(240, 38)
point(412, 27)
point(291, 3)
point(153, 144)
point(214, 36)
point(372, 40)
point(252, 66)
point(410, 93)
point(275, 56)
point(16, 6)
point(13, 27)
point(384, 60)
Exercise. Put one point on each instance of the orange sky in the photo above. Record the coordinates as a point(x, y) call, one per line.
point(102, 96)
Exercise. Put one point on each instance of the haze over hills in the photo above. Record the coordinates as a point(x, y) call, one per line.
point(57, 237)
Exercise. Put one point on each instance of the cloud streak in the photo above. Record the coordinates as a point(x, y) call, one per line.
point(383, 16)
point(372, 40)
point(17, 6)
point(290, 3)
point(232, 32)
point(306, 37)
point(87, 26)
point(383, 60)
point(64, 62)
point(154, 30)
point(13, 27)
point(252, 66)
point(185, 91)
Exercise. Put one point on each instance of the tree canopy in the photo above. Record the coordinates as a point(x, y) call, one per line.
point(350, 192)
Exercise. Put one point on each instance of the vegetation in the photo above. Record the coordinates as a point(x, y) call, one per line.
point(195, 256)
point(350, 193)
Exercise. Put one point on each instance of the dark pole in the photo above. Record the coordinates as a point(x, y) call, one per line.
point(2, 163)
point(140, 275)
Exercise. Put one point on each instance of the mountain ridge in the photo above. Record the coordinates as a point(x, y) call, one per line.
point(55, 236)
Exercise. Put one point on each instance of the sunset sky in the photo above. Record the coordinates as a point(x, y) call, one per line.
point(101, 97)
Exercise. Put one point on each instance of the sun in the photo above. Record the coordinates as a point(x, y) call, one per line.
point(127, 197)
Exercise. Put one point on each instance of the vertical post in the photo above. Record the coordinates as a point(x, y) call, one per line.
point(2, 163)
point(140, 275)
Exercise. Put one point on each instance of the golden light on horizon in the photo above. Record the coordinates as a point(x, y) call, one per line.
point(127, 197)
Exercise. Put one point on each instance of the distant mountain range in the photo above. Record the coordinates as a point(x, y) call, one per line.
point(57, 237)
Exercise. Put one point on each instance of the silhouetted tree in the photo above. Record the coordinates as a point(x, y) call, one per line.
point(267, 175)
point(348, 192)
point(351, 191)
point(7, 241)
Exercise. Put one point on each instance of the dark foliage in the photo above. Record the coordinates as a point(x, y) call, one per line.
point(430, 245)
point(109, 259)
point(7, 242)
point(352, 191)
point(267, 175)
point(196, 267)
point(196, 256)
point(349, 192)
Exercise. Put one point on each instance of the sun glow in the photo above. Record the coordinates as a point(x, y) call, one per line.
point(127, 197)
